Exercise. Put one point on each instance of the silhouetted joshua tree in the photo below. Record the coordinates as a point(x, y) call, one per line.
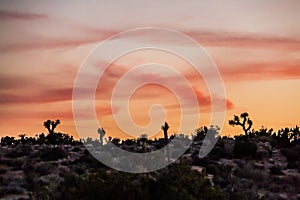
point(165, 128)
point(295, 134)
point(246, 121)
point(143, 138)
point(101, 133)
point(22, 137)
point(51, 125)
point(47, 125)
point(54, 124)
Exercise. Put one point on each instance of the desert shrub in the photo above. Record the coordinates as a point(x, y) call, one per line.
point(16, 154)
point(50, 154)
point(292, 165)
point(3, 170)
point(200, 161)
point(244, 189)
point(212, 169)
point(116, 141)
point(76, 149)
point(10, 190)
point(222, 177)
point(59, 138)
point(276, 170)
point(112, 185)
point(249, 172)
point(291, 182)
point(177, 182)
point(80, 168)
point(129, 142)
point(291, 154)
point(217, 153)
point(46, 168)
point(220, 181)
point(159, 145)
point(245, 149)
point(8, 141)
point(16, 164)
point(30, 175)
point(89, 161)
point(182, 183)
point(275, 187)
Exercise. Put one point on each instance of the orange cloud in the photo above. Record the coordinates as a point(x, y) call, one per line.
point(204, 101)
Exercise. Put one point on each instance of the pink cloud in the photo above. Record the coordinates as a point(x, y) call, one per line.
point(264, 70)
point(60, 34)
point(243, 40)
point(41, 95)
point(82, 35)
point(48, 43)
point(111, 77)
point(208, 38)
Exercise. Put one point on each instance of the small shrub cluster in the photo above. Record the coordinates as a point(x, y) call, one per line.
point(179, 182)
point(51, 154)
point(245, 149)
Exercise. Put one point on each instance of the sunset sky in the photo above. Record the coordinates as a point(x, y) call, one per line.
point(255, 45)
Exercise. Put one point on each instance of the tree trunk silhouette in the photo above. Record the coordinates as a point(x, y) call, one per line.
point(165, 128)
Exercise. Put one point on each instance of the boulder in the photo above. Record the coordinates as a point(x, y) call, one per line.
point(264, 150)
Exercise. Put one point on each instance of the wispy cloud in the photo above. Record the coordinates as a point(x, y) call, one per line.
point(263, 70)
point(212, 38)
point(83, 35)
point(53, 33)
point(16, 15)
point(40, 43)
point(46, 96)
point(14, 82)
point(243, 40)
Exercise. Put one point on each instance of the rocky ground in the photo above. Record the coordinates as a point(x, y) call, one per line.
point(41, 171)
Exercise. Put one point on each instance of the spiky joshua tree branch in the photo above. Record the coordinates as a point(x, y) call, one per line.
point(51, 125)
point(244, 121)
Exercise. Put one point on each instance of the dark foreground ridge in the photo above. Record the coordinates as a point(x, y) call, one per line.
point(261, 164)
